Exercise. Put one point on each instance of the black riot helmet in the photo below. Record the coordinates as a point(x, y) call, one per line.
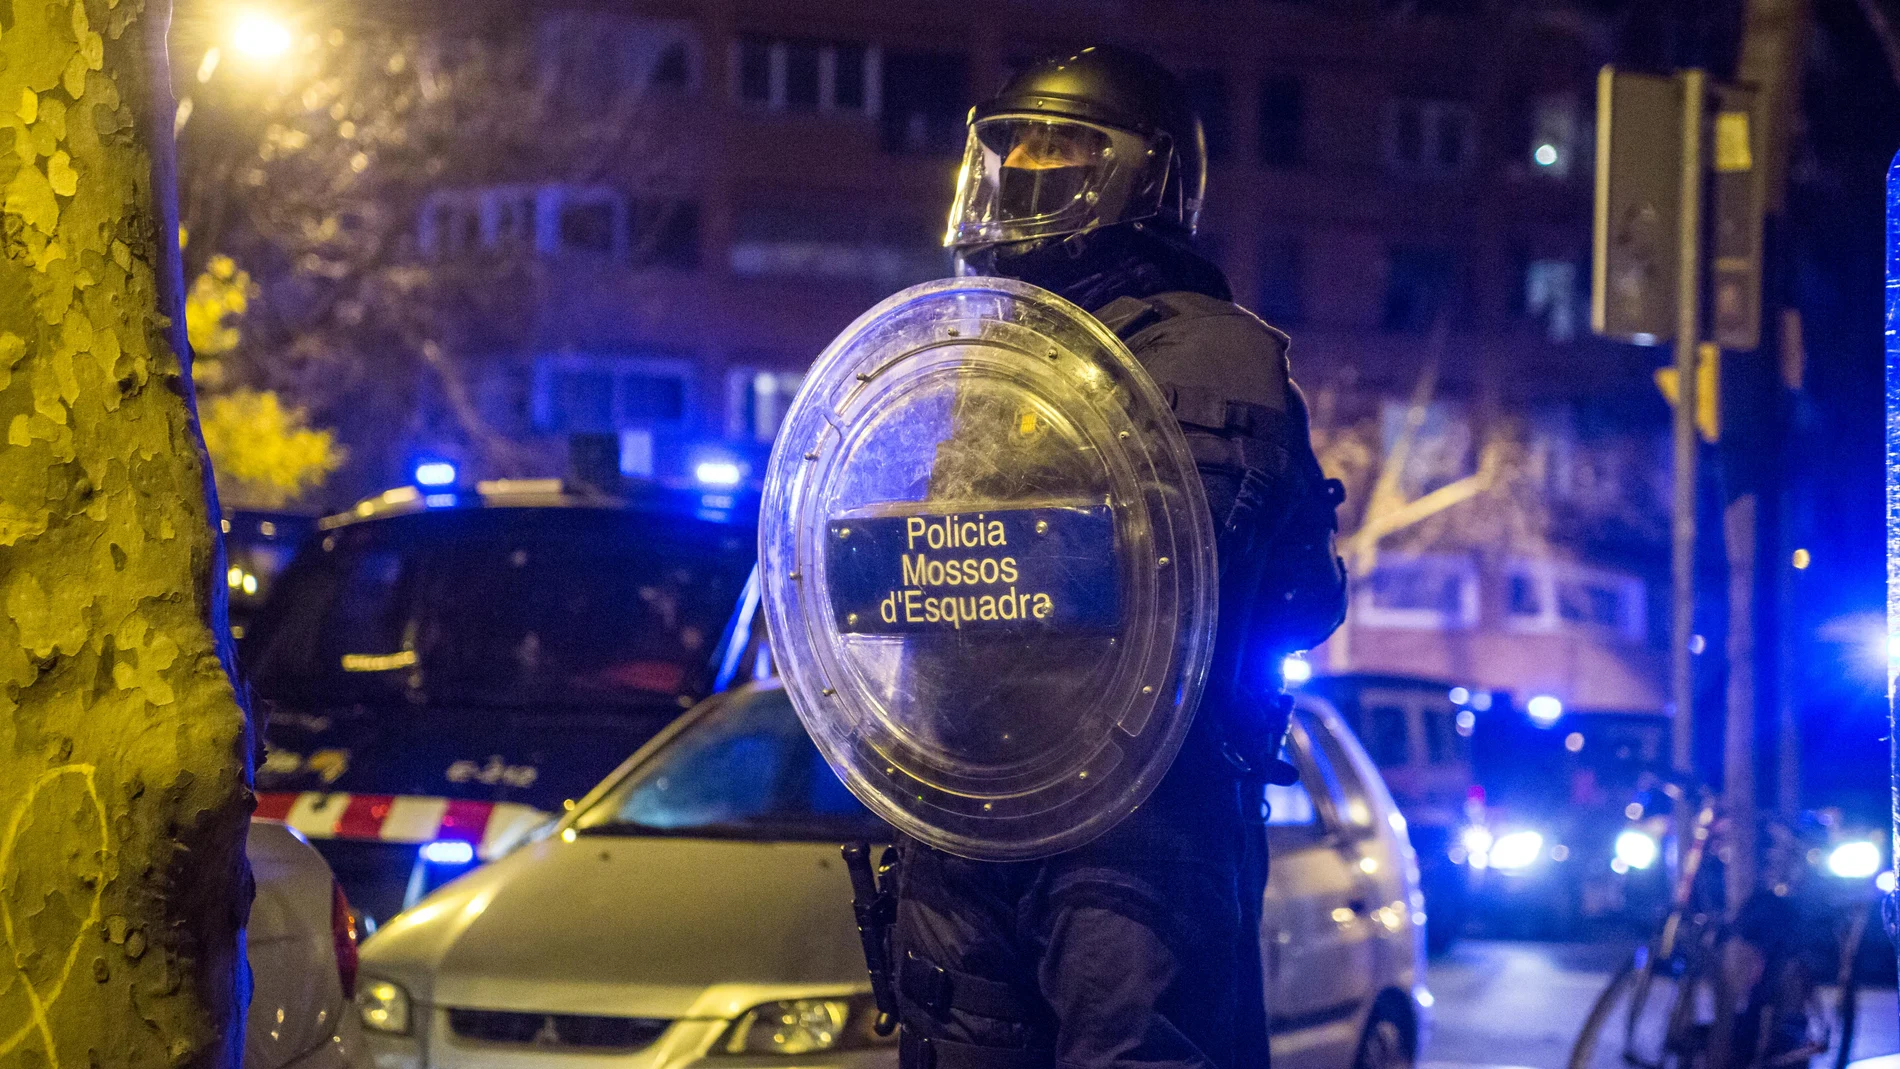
point(1076, 143)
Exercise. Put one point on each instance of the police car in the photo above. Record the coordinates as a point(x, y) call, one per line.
point(693, 910)
point(440, 671)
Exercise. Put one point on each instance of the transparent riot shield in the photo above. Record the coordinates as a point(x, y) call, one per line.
point(988, 569)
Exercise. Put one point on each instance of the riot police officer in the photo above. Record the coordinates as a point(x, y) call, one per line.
point(1084, 176)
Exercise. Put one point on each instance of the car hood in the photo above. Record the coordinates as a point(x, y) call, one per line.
point(631, 926)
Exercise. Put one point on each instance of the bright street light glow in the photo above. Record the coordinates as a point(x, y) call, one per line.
point(1884, 882)
point(1518, 850)
point(435, 473)
point(258, 36)
point(717, 473)
point(1637, 849)
point(1296, 670)
point(1893, 647)
point(1544, 710)
point(448, 852)
point(1546, 154)
point(1854, 861)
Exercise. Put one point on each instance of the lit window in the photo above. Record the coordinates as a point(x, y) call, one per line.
point(1554, 595)
point(802, 75)
point(756, 401)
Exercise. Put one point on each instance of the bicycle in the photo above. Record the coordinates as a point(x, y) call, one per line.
point(1679, 1002)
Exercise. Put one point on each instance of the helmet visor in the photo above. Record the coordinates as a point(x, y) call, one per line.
point(1029, 177)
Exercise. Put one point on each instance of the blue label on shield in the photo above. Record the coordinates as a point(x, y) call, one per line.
point(1036, 569)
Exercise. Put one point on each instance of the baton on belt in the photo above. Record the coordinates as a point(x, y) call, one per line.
point(875, 904)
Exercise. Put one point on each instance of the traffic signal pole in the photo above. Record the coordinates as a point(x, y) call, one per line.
point(1682, 527)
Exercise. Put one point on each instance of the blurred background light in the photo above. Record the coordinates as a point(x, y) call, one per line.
point(1295, 670)
point(435, 473)
point(1636, 849)
point(259, 36)
point(1544, 710)
point(717, 473)
point(1517, 850)
point(1855, 860)
point(448, 852)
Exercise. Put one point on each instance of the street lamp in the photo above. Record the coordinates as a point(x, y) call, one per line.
point(259, 36)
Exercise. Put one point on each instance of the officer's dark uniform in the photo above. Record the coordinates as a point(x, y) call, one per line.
point(1141, 948)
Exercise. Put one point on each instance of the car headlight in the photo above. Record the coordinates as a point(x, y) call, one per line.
point(1636, 849)
point(383, 1007)
point(1855, 860)
point(1517, 850)
point(805, 1026)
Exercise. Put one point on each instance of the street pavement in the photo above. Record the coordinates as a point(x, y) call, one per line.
point(1521, 1004)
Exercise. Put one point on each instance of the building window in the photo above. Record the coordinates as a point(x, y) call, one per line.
point(1282, 299)
point(1282, 122)
point(1421, 286)
point(1551, 296)
point(555, 220)
point(595, 58)
point(587, 222)
point(1426, 592)
point(1207, 94)
point(1551, 595)
point(1431, 137)
point(604, 393)
point(803, 75)
point(924, 102)
point(756, 401)
point(1555, 135)
point(834, 241)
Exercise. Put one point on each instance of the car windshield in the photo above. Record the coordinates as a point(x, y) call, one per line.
point(743, 770)
point(546, 608)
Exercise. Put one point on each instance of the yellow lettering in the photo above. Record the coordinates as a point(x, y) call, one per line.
point(935, 536)
point(888, 608)
point(1043, 607)
point(914, 569)
point(996, 537)
point(1009, 610)
point(911, 598)
point(986, 608)
point(1008, 569)
point(988, 570)
point(969, 533)
point(930, 610)
point(913, 527)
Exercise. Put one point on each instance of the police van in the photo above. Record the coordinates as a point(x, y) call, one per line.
point(439, 671)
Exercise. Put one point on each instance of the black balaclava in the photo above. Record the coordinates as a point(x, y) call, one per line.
point(1093, 268)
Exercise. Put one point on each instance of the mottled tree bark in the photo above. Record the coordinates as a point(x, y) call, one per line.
point(123, 750)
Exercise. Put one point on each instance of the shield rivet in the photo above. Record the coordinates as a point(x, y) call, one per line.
point(952, 331)
point(1042, 526)
point(827, 692)
point(1147, 690)
point(1163, 562)
point(986, 807)
point(862, 377)
point(1123, 435)
point(851, 618)
point(1084, 774)
point(813, 455)
point(795, 576)
point(1051, 354)
point(844, 533)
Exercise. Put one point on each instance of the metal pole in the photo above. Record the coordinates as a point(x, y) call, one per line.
point(1688, 333)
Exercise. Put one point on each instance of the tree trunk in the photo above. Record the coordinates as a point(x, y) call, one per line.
point(124, 753)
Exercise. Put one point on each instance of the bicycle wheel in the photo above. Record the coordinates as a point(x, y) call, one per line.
point(1645, 1020)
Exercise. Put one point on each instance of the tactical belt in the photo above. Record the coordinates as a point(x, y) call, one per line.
point(940, 990)
point(929, 1052)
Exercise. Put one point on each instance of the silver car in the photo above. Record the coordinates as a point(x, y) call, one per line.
point(693, 910)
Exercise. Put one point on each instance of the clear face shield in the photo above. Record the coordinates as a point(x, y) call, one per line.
point(1028, 177)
